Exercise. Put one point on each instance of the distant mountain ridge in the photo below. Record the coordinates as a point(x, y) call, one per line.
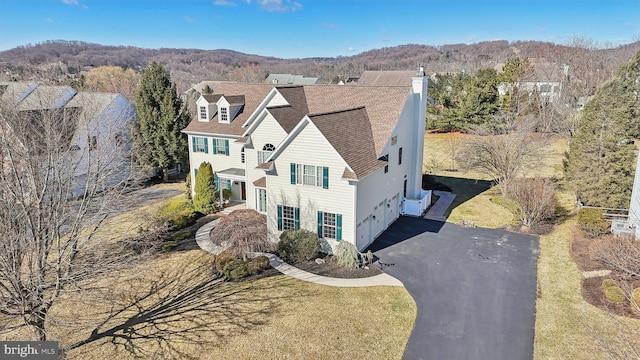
point(188, 66)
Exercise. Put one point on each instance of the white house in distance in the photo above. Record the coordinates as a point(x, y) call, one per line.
point(343, 161)
point(99, 127)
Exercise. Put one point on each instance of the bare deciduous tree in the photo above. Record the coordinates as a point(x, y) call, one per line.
point(48, 241)
point(501, 154)
point(452, 146)
point(113, 79)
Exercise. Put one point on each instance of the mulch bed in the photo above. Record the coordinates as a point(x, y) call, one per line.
point(592, 290)
point(331, 268)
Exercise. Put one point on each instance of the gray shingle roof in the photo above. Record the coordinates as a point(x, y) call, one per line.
point(386, 78)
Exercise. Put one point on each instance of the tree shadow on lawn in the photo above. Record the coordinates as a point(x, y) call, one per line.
point(464, 189)
point(178, 312)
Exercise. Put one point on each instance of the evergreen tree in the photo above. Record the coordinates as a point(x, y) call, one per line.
point(158, 141)
point(204, 199)
point(600, 161)
point(462, 101)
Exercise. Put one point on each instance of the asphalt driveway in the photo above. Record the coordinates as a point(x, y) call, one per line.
point(475, 288)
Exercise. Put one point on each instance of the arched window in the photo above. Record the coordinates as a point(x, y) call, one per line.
point(263, 155)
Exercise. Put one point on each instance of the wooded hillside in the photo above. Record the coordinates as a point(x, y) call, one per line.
point(58, 60)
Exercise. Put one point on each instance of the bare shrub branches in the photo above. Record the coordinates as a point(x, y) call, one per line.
point(535, 200)
point(245, 230)
point(620, 254)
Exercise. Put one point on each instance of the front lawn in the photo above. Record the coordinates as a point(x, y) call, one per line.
point(172, 306)
point(174, 297)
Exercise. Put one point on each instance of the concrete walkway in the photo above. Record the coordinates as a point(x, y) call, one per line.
point(436, 212)
point(203, 240)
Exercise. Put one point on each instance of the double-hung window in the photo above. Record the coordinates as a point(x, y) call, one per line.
point(288, 217)
point(329, 225)
point(203, 113)
point(310, 175)
point(200, 144)
point(221, 146)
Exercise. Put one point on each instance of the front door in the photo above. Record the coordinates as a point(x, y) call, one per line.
point(243, 185)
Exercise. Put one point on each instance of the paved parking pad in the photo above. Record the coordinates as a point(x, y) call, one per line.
point(475, 288)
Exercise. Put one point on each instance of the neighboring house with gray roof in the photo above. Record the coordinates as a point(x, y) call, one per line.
point(97, 125)
point(289, 79)
point(342, 161)
point(385, 78)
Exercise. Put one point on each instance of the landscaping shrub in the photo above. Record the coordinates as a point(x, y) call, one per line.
point(299, 245)
point(235, 269)
point(245, 230)
point(178, 213)
point(618, 254)
point(180, 235)
point(258, 264)
point(591, 222)
point(347, 255)
point(239, 272)
point(535, 200)
point(168, 245)
point(607, 283)
point(614, 294)
point(183, 219)
point(187, 185)
point(224, 257)
point(204, 198)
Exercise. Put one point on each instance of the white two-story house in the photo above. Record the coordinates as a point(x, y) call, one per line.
point(97, 124)
point(342, 161)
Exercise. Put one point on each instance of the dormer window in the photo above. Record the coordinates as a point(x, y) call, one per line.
point(224, 114)
point(203, 113)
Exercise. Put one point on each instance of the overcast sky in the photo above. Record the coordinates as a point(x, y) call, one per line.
point(313, 28)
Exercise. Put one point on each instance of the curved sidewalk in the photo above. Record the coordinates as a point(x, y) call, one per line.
point(203, 241)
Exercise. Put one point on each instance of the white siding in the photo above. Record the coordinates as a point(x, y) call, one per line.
point(267, 132)
point(277, 100)
point(378, 187)
point(218, 161)
point(311, 148)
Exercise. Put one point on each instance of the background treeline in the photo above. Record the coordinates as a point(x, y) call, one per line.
point(57, 60)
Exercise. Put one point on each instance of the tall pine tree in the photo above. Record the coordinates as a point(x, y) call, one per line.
point(158, 141)
point(600, 161)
